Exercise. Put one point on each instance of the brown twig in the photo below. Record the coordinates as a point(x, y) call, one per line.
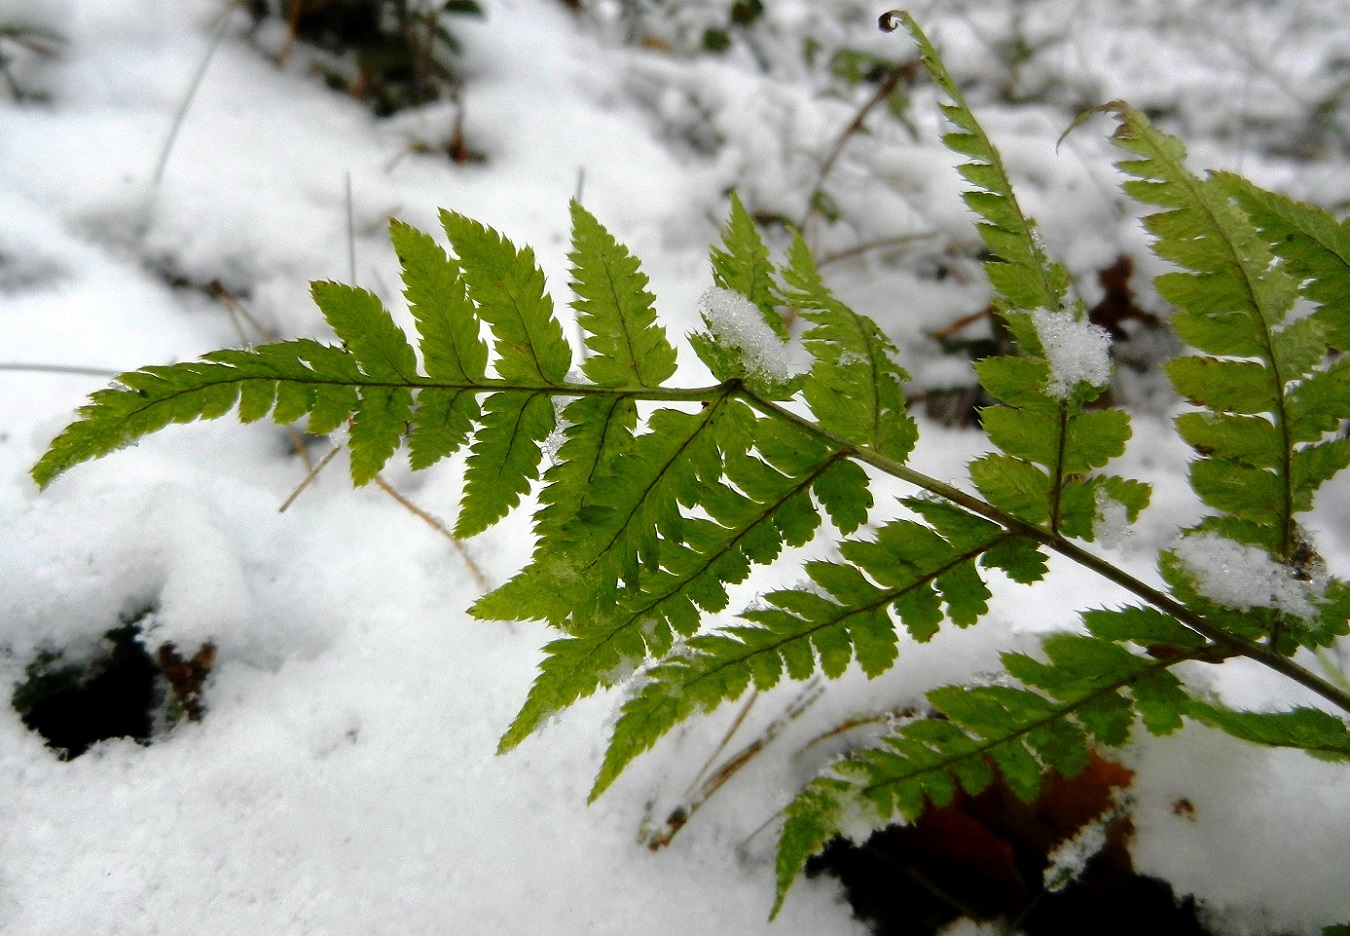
point(897, 74)
point(680, 815)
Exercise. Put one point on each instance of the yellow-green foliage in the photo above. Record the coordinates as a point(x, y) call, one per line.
point(646, 514)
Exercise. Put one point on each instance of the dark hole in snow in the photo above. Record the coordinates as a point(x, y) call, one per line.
point(983, 858)
point(121, 691)
point(75, 704)
point(899, 890)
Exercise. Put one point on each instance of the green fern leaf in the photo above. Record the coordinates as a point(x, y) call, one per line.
point(504, 458)
point(304, 377)
point(1320, 403)
point(364, 326)
point(599, 433)
point(382, 352)
point(854, 385)
point(1314, 246)
point(152, 398)
point(1262, 452)
point(1074, 697)
point(1226, 386)
point(1014, 485)
point(615, 310)
point(743, 266)
point(1022, 274)
point(1319, 733)
point(508, 288)
point(377, 429)
point(451, 347)
point(1019, 382)
point(441, 425)
point(769, 506)
point(909, 568)
point(1245, 440)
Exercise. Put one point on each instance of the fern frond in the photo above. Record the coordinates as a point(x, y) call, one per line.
point(772, 504)
point(1269, 400)
point(910, 570)
point(447, 323)
point(291, 379)
point(746, 339)
point(1051, 442)
point(1311, 730)
point(743, 265)
point(504, 458)
point(507, 287)
point(1086, 692)
point(1313, 245)
point(1021, 274)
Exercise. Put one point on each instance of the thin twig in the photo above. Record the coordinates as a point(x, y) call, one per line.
point(218, 291)
point(181, 114)
point(351, 230)
point(858, 721)
point(898, 74)
point(313, 473)
point(732, 765)
point(898, 241)
point(722, 745)
point(479, 578)
point(60, 369)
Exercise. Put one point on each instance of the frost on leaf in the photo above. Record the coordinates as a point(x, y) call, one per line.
point(1078, 352)
point(1236, 575)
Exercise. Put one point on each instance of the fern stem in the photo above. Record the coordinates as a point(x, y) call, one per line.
point(1057, 476)
point(1051, 540)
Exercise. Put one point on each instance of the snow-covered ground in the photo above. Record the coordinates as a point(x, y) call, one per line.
point(343, 779)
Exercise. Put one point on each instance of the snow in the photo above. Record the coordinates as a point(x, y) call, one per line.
point(343, 779)
point(1240, 576)
point(736, 321)
point(1078, 351)
point(1069, 858)
point(1111, 524)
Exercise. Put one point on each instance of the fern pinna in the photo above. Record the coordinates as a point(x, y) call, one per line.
point(659, 497)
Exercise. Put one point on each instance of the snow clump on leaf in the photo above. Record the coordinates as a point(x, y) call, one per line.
point(1236, 575)
point(737, 322)
point(1077, 351)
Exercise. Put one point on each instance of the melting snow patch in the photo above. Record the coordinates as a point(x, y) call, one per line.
point(1078, 351)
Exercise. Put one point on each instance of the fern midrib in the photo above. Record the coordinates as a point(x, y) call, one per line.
point(486, 385)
